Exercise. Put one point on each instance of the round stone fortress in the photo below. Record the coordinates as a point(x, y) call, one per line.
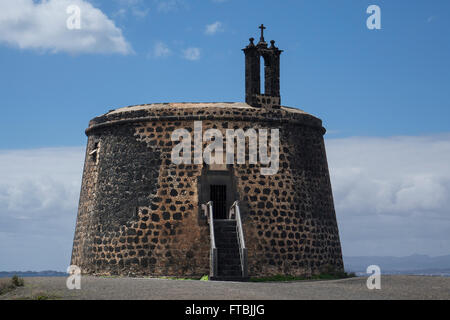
point(141, 213)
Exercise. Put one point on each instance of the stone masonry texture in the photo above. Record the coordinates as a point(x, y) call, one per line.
point(139, 214)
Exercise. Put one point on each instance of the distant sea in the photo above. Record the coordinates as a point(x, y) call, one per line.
point(23, 274)
point(413, 265)
point(433, 273)
point(360, 273)
point(410, 265)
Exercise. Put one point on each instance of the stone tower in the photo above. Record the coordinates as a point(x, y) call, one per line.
point(271, 56)
point(142, 213)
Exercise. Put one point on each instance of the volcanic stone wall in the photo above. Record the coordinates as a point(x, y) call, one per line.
point(139, 213)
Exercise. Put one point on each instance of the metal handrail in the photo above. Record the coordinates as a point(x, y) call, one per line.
point(213, 267)
point(240, 231)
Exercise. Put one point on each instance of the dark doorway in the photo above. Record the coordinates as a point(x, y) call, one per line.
point(218, 186)
point(218, 195)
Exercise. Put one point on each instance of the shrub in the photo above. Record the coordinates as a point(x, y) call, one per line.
point(16, 281)
point(9, 285)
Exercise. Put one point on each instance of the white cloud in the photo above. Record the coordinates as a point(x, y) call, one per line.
point(121, 13)
point(42, 26)
point(39, 192)
point(431, 19)
point(160, 50)
point(140, 12)
point(136, 7)
point(392, 194)
point(169, 5)
point(392, 197)
point(129, 2)
point(213, 28)
point(39, 180)
point(191, 54)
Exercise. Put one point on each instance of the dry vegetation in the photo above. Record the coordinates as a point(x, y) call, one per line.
point(7, 285)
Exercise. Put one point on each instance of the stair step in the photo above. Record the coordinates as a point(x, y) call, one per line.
point(227, 244)
point(226, 238)
point(229, 260)
point(219, 235)
point(225, 232)
point(223, 278)
point(226, 264)
point(230, 269)
point(230, 274)
point(229, 266)
point(231, 254)
point(229, 257)
point(228, 248)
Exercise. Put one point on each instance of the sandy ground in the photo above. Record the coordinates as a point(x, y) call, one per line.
point(392, 287)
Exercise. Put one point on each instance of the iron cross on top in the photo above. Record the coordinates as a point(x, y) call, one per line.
point(262, 32)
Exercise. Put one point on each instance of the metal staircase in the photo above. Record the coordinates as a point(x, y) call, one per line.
point(228, 255)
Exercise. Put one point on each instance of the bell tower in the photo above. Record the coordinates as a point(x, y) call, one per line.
point(270, 99)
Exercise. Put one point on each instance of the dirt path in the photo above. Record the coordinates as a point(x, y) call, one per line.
point(392, 287)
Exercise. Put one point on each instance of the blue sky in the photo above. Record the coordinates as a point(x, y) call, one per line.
point(385, 82)
point(382, 94)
